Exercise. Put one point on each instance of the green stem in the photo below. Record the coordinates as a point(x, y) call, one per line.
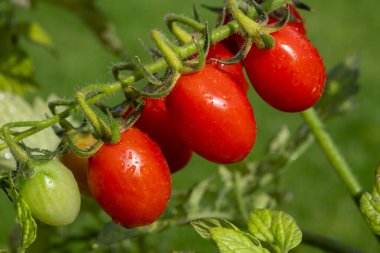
point(327, 244)
point(334, 156)
point(217, 35)
point(239, 196)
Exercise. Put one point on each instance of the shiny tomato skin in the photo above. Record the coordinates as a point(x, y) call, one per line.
point(298, 24)
point(211, 113)
point(220, 52)
point(154, 121)
point(130, 180)
point(235, 41)
point(290, 76)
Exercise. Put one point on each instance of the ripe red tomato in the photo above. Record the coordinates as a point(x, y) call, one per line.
point(290, 76)
point(210, 112)
point(218, 51)
point(130, 180)
point(154, 121)
point(234, 42)
point(298, 24)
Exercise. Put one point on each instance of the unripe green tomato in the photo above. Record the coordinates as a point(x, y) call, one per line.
point(52, 193)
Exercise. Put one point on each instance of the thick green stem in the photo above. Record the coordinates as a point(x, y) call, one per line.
point(334, 156)
point(327, 244)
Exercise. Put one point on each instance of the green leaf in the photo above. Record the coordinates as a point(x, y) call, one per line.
point(26, 221)
point(280, 141)
point(370, 207)
point(340, 90)
point(33, 32)
point(94, 18)
point(232, 241)
point(196, 195)
point(16, 72)
point(276, 228)
point(204, 226)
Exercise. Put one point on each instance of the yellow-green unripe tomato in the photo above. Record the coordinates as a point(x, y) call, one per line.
point(52, 193)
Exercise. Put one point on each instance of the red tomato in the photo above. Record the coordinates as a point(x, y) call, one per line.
point(234, 42)
point(290, 76)
point(212, 115)
point(154, 121)
point(298, 24)
point(130, 180)
point(220, 52)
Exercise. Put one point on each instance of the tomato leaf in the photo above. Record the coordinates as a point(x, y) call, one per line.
point(26, 221)
point(33, 32)
point(16, 72)
point(276, 228)
point(340, 90)
point(204, 226)
point(232, 241)
point(370, 207)
point(194, 201)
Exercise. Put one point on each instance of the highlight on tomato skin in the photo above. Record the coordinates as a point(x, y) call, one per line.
point(211, 113)
point(130, 180)
point(154, 121)
point(291, 76)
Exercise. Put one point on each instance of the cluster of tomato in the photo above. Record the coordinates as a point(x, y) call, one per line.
point(208, 113)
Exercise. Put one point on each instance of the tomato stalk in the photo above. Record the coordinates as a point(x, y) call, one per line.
point(334, 156)
point(94, 93)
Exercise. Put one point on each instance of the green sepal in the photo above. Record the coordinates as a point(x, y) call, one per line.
point(73, 138)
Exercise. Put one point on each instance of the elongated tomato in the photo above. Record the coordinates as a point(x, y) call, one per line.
point(211, 113)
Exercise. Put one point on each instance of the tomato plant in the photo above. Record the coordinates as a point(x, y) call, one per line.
point(210, 105)
point(51, 193)
point(234, 42)
point(130, 180)
point(290, 76)
point(154, 121)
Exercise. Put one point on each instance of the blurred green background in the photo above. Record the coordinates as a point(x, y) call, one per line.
point(319, 201)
